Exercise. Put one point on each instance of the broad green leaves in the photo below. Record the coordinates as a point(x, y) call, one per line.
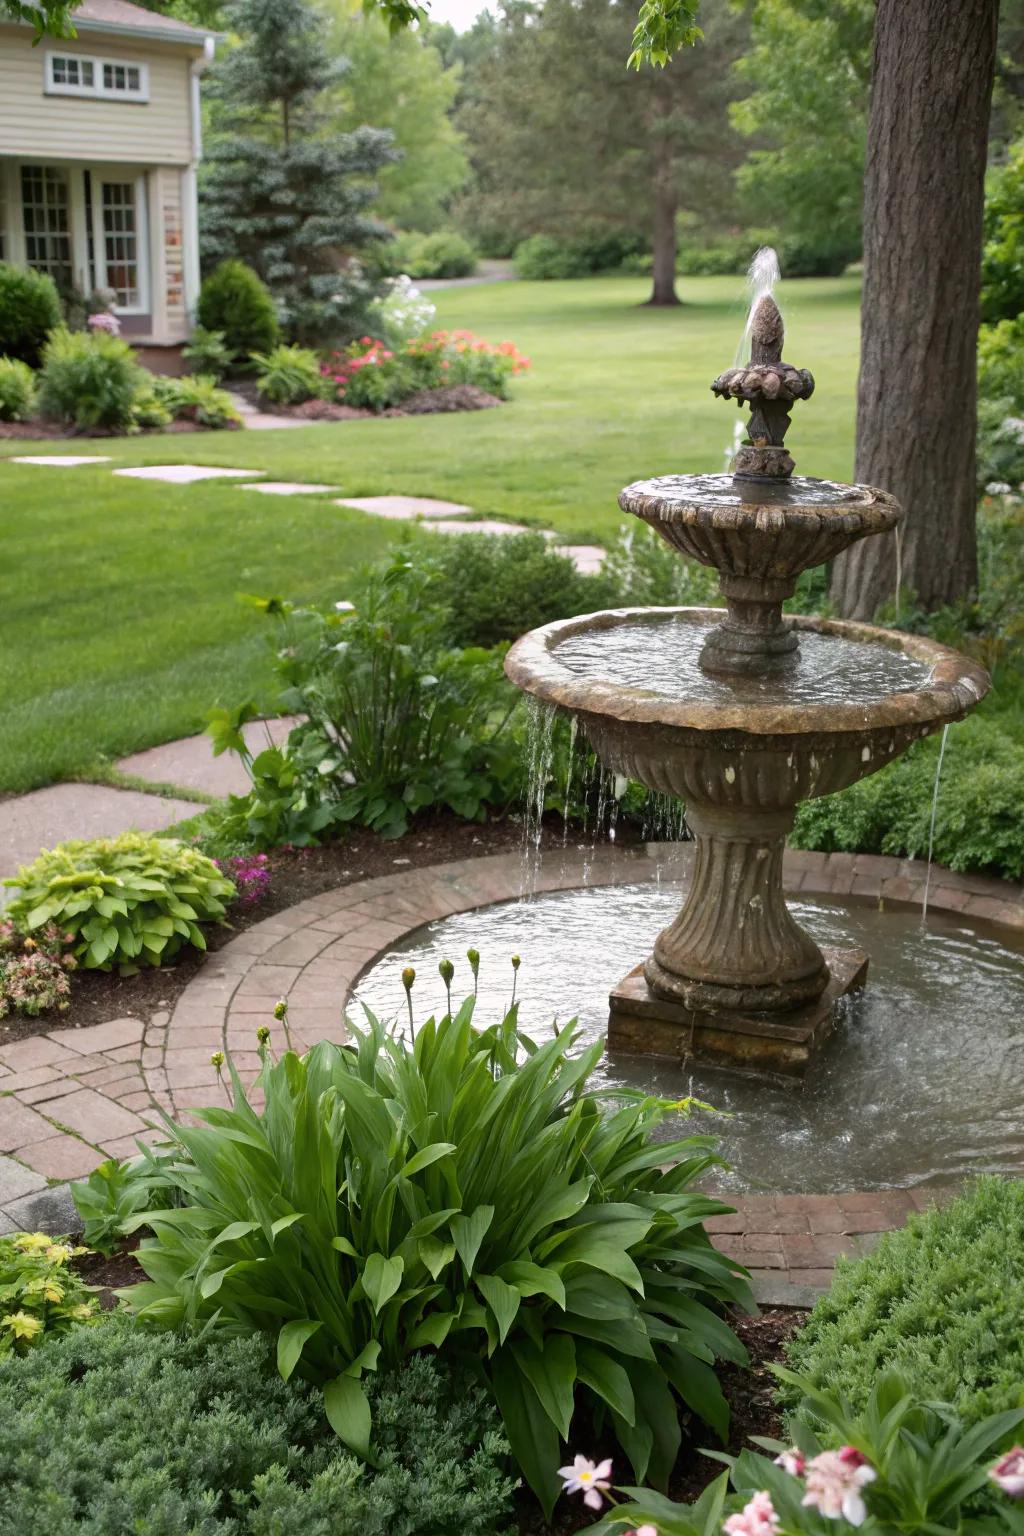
point(458, 1197)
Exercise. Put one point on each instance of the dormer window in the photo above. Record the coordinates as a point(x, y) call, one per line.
point(69, 74)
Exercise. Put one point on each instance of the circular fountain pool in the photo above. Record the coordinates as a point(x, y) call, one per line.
point(922, 1081)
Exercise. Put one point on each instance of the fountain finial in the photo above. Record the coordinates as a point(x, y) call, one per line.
point(768, 386)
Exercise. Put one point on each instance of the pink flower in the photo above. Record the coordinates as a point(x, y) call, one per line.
point(834, 1483)
point(105, 322)
point(643, 1530)
point(1008, 1473)
point(792, 1461)
point(587, 1478)
point(758, 1518)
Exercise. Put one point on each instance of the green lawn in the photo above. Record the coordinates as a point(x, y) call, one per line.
point(122, 625)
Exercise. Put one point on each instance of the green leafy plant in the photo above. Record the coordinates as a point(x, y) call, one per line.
point(148, 411)
point(39, 1294)
point(17, 389)
point(131, 900)
point(197, 398)
point(541, 258)
point(941, 1301)
point(445, 253)
point(902, 1463)
point(114, 1194)
point(1002, 268)
point(288, 375)
point(29, 311)
point(90, 379)
point(234, 301)
point(118, 1428)
point(208, 353)
point(463, 1193)
point(394, 720)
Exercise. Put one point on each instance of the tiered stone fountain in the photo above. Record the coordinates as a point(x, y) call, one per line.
point(742, 715)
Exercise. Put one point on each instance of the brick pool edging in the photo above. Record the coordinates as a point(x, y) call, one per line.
point(72, 1097)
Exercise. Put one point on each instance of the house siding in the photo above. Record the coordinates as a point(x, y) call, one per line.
point(66, 128)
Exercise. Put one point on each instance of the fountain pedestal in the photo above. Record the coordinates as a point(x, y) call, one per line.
point(644, 1024)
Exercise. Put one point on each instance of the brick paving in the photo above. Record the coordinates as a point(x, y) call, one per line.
point(70, 1098)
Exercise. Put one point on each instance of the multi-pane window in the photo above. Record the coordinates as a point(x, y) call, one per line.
point(121, 242)
point(80, 73)
point(44, 212)
point(74, 75)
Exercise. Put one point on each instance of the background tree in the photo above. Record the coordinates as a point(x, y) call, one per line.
point(808, 68)
point(931, 92)
point(278, 190)
point(402, 83)
point(563, 138)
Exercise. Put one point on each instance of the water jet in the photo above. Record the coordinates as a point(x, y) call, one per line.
point(742, 714)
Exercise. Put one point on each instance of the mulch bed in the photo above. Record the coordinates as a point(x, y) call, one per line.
point(427, 402)
point(55, 430)
point(295, 873)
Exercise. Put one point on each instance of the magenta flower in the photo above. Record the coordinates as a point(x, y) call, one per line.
point(587, 1478)
point(1008, 1473)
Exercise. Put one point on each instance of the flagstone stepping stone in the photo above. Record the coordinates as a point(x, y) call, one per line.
point(480, 525)
point(190, 763)
point(61, 460)
point(587, 558)
point(45, 817)
point(288, 488)
point(404, 506)
point(184, 474)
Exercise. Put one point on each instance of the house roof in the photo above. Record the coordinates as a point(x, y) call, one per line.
point(134, 20)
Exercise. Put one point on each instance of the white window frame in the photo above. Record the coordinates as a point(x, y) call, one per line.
point(112, 173)
point(97, 89)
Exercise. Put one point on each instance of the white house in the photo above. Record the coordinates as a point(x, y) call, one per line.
point(99, 143)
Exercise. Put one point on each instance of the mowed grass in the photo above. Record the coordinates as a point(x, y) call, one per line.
point(122, 623)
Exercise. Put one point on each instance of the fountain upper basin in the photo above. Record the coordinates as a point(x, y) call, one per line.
point(856, 699)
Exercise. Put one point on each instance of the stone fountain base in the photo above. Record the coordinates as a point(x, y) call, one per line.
point(782, 1044)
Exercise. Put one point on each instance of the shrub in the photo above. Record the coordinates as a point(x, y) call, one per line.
point(233, 301)
point(401, 313)
point(446, 358)
point(117, 1429)
point(197, 398)
point(494, 590)
point(902, 1464)
point(40, 1296)
point(288, 375)
point(1001, 362)
point(442, 254)
point(130, 900)
point(29, 311)
point(462, 1193)
point(148, 411)
point(34, 973)
point(941, 1301)
point(90, 380)
point(394, 720)
point(542, 257)
point(17, 389)
point(1002, 259)
point(978, 825)
point(208, 353)
point(368, 375)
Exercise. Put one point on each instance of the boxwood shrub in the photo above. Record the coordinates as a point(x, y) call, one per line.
point(115, 1429)
point(234, 301)
point(29, 311)
point(941, 1301)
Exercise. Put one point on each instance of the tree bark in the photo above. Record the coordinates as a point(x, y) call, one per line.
point(934, 62)
point(663, 246)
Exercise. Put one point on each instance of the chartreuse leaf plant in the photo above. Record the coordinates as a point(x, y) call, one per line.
point(466, 1194)
point(128, 901)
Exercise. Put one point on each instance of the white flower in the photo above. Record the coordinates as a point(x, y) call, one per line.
point(997, 488)
point(587, 1478)
point(344, 607)
point(834, 1483)
point(792, 1461)
point(1008, 1473)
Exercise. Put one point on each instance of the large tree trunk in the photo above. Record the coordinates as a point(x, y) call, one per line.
point(663, 245)
point(934, 62)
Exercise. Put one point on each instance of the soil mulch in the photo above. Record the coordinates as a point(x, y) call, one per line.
point(295, 873)
point(109, 1274)
point(427, 402)
point(55, 430)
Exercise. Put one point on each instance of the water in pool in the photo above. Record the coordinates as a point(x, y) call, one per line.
point(922, 1082)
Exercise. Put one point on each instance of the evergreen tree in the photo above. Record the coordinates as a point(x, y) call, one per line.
point(279, 190)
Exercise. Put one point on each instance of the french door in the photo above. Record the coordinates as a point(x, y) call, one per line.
point(117, 235)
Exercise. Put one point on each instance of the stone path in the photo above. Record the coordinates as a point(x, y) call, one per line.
point(61, 460)
point(191, 764)
point(264, 421)
point(45, 817)
point(72, 1097)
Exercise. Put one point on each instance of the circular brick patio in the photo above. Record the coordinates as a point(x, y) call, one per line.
point(73, 1097)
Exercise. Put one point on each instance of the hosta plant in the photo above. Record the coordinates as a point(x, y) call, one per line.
point(464, 1193)
point(129, 901)
point(39, 1294)
point(288, 375)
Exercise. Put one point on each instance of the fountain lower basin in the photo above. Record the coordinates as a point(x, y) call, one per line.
point(735, 976)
